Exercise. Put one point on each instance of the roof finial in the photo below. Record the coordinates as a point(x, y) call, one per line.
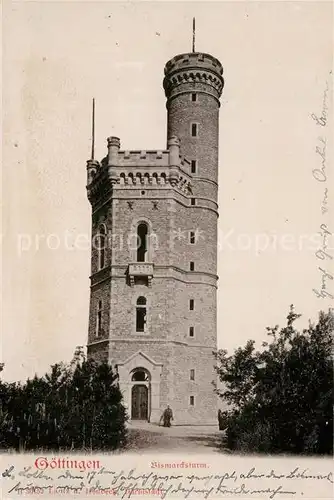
point(93, 130)
point(194, 33)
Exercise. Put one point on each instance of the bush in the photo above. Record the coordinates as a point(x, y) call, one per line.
point(75, 406)
point(282, 396)
point(248, 433)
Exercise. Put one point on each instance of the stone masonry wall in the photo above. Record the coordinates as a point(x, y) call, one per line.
point(171, 217)
point(181, 113)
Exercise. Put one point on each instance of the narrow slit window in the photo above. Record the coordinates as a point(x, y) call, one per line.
point(102, 247)
point(193, 201)
point(191, 331)
point(192, 374)
point(193, 166)
point(191, 304)
point(192, 400)
point(192, 237)
point(141, 315)
point(194, 130)
point(192, 266)
point(194, 97)
point(99, 319)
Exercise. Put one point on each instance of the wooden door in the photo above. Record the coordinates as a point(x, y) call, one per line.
point(139, 410)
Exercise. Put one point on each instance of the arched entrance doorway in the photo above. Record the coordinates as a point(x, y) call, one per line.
point(140, 394)
point(139, 408)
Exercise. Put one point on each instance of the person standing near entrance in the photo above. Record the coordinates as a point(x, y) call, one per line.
point(167, 416)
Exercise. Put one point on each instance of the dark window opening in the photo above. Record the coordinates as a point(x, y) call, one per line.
point(192, 374)
point(140, 280)
point(192, 237)
point(193, 201)
point(141, 315)
point(194, 97)
point(191, 331)
point(192, 266)
point(99, 318)
point(193, 166)
point(192, 400)
point(142, 242)
point(140, 376)
point(194, 129)
point(101, 247)
point(191, 304)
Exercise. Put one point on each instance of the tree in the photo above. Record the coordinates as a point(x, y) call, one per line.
point(74, 406)
point(281, 397)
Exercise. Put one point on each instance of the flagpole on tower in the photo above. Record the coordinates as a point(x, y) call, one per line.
point(93, 129)
point(194, 33)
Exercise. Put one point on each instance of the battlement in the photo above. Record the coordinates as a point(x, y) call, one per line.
point(154, 158)
point(196, 60)
point(142, 158)
point(139, 167)
point(193, 68)
point(149, 158)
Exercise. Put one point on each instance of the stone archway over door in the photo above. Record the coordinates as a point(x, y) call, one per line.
point(126, 369)
point(139, 402)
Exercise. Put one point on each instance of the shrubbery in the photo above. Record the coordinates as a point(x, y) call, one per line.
point(74, 407)
point(281, 397)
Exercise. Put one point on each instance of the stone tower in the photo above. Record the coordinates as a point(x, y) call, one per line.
point(154, 254)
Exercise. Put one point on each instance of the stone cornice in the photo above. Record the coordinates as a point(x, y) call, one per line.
point(165, 272)
point(179, 90)
point(134, 339)
point(203, 207)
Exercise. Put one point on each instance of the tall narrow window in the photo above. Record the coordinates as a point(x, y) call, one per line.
point(191, 331)
point(192, 374)
point(192, 266)
point(142, 231)
point(193, 201)
point(102, 247)
point(194, 129)
point(193, 166)
point(99, 319)
point(141, 315)
point(192, 401)
point(191, 304)
point(194, 97)
point(192, 237)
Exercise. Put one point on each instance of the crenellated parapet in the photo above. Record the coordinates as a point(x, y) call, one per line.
point(145, 157)
point(197, 59)
point(138, 168)
point(202, 70)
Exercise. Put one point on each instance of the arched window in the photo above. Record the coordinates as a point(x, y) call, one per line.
point(142, 231)
point(102, 246)
point(140, 375)
point(99, 319)
point(141, 315)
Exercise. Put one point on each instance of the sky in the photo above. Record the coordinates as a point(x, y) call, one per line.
point(277, 59)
